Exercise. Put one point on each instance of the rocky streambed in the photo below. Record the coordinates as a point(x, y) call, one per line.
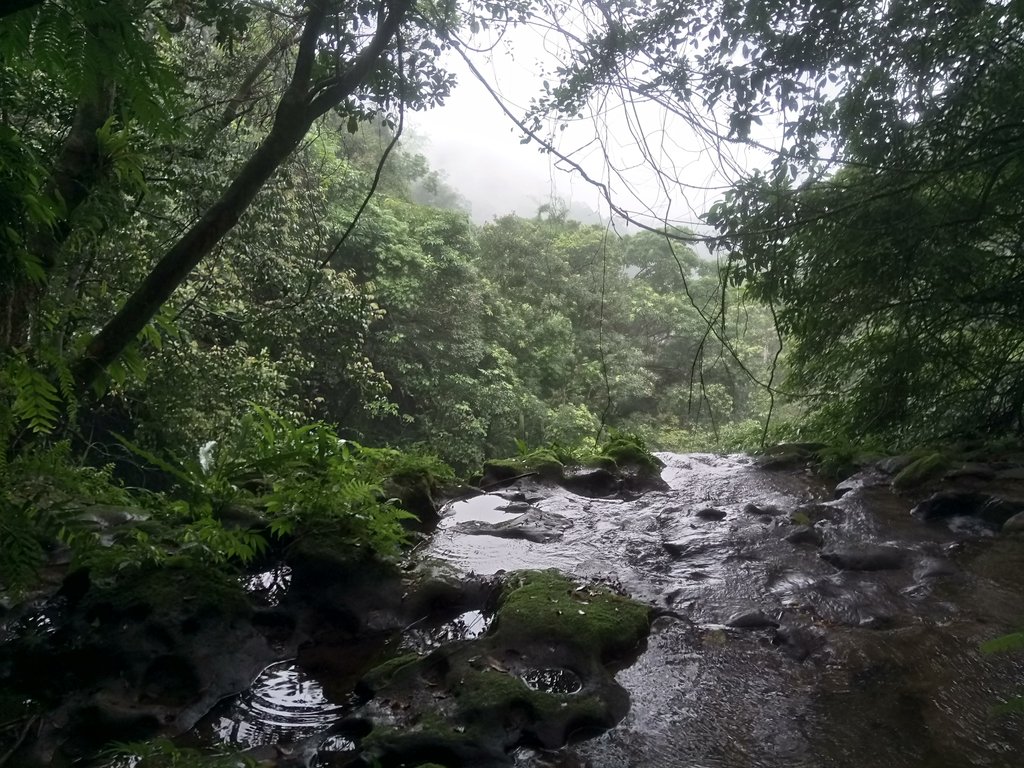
point(735, 615)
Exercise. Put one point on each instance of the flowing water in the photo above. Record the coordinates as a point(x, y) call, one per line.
point(765, 653)
point(835, 668)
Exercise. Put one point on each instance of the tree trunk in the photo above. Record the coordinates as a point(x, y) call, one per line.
point(77, 170)
point(302, 102)
point(191, 248)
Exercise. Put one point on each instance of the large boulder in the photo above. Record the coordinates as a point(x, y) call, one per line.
point(992, 510)
point(543, 673)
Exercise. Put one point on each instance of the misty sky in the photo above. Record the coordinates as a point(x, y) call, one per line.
point(478, 148)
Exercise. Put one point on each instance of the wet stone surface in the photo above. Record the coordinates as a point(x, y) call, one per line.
point(797, 625)
point(855, 626)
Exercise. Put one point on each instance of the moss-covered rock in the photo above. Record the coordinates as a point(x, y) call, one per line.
point(321, 559)
point(626, 452)
point(923, 468)
point(592, 620)
point(542, 462)
point(471, 702)
point(185, 590)
point(382, 675)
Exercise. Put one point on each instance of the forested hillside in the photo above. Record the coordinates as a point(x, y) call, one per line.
point(206, 223)
point(410, 326)
point(208, 208)
point(243, 319)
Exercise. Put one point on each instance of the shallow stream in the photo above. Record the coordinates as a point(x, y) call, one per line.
point(766, 653)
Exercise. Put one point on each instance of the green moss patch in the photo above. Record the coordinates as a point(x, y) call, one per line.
point(592, 620)
point(542, 462)
point(920, 470)
point(631, 452)
point(382, 674)
point(488, 695)
point(470, 702)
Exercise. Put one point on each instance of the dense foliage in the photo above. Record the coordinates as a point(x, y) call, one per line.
point(223, 277)
point(212, 236)
point(885, 228)
point(207, 213)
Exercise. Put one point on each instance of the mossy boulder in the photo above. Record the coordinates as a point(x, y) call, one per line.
point(921, 469)
point(141, 655)
point(320, 560)
point(541, 462)
point(786, 456)
point(382, 675)
point(636, 467)
point(627, 452)
point(590, 620)
point(185, 591)
point(472, 702)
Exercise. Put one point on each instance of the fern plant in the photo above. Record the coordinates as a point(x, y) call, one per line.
point(302, 479)
point(43, 496)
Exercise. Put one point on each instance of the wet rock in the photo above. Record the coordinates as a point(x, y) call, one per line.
point(845, 487)
point(762, 509)
point(518, 507)
point(998, 511)
point(787, 456)
point(710, 513)
point(799, 642)
point(934, 568)
point(809, 514)
point(753, 618)
point(869, 477)
point(520, 496)
point(681, 549)
point(143, 656)
point(598, 482)
point(949, 504)
point(869, 557)
point(536, 526)
point(105, 719)
point(805, 534)
point(542, 676)
point(992, 510)
point(1015, 524)
point(972, 471)
point(924, 468)
point(895, 464)
point(503, 471)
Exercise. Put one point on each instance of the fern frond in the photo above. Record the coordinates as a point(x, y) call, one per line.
point(21, 554)
point(36, 400)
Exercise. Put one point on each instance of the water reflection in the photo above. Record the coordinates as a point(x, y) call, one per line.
point(270, 586)
point(561, 681)
point(283, 705)
point(463, 627)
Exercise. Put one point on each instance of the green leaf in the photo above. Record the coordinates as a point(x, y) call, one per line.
point(1011, 642)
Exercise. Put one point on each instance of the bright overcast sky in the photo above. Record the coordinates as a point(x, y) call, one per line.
point(478, 148)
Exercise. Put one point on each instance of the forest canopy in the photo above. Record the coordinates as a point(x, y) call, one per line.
point(249, 335)
point(208, 209)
